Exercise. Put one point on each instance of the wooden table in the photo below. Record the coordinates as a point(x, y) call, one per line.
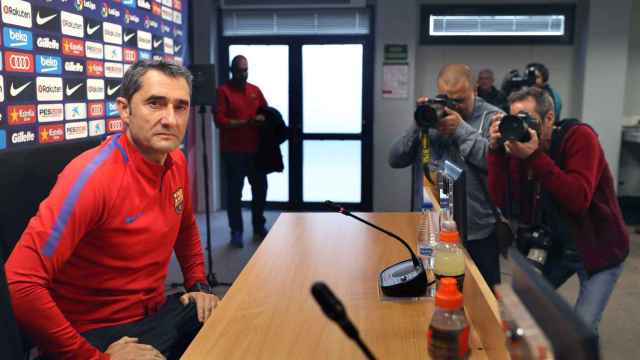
point(269, 312)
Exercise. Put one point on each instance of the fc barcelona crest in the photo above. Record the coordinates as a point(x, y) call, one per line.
point(178, 200)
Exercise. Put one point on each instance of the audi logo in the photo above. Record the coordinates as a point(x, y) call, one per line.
point(20, 62)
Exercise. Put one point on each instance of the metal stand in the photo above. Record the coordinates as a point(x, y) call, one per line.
point(211, 276)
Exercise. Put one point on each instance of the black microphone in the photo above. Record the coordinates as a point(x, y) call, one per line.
point(405, 279)
point(334, 310)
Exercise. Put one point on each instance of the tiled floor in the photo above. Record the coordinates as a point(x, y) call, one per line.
point(619, 329)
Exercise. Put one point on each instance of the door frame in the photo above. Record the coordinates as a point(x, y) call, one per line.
point(295, 110)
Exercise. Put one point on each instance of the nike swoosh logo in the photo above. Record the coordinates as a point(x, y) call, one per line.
point(178, 48)
point(73, 89)
point(44, 20)
point(91, 30)
point(16, 91)
point(156, 44)
point(128, 36)
point(111, 91)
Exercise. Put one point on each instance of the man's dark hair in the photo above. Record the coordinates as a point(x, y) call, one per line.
point(539, 67)
point(235, 60)
point(132, 81)
point(544, 103)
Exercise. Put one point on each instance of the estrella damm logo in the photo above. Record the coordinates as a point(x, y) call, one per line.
point(178, 200)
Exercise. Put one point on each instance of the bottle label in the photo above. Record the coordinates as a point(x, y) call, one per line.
point(425, 250)
point(448, 344)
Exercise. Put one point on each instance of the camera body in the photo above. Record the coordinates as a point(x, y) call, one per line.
point(515, 81)
point(428, 114)
point(516, 127)
point(535, 242)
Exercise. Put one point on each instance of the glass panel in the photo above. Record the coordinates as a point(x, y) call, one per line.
point(269, 70)
point(332, 88)
point(504, 25)
point(325, 178)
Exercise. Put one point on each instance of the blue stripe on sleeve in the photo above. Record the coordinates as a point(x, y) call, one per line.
point(71, 199)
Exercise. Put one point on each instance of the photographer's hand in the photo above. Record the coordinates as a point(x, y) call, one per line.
point(494, 131)
point(523, 150)
point(448, 125)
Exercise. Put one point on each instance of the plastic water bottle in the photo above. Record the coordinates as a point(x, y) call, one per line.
point(426, 239)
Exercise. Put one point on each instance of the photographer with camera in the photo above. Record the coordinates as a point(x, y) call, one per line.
point(456, 124)
point(560, 179)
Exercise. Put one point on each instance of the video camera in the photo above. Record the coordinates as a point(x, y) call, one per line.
point(428, 114)
point(514, 81)
point(516, 127)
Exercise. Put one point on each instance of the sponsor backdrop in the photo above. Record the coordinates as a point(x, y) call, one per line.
point(62, 62)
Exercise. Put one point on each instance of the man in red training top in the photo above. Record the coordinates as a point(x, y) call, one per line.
point(236, 116)
point(563, 185)
point(87, 276)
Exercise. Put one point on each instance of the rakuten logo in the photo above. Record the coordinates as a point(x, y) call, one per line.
point(16, 12)
point(76, 130)
point(144, 40)
point(49, 88)
point(21, 114)
point(72, 24)
point(112, 33)
point(94, 50)
point(115, 125)
point(18, 62)
point(47, 43)
point(168, 46)
point(95, 68)
point(113, 70)
point(50, 133)
point(22, 137)
point(96, 127)
point(95, 89)
point(96, 109)
point(50, 112)
point(73, 47)
point(75, 111)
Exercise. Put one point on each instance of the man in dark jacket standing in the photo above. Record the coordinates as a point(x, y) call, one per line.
point(487, 91)
point(565, 181)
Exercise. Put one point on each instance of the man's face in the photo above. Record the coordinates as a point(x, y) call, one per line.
point(157, 116)
point(539, 81)
point(463, 92)
point(485, 81)
point(240, 71)
point(529, 106)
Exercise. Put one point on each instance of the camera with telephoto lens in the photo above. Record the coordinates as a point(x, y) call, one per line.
point(535, 241)
point(514, 81)
point(516, 127)
point(428, 114)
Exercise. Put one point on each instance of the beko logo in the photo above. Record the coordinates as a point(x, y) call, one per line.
point(96, 109)
point(144, 4)
point(112, 109)
point(144, 40)
point(50, 112)
point(94, 50)
point(75, 111)
point(73, 66)
point(48, 43)
point(48, 64)
point(168, 46)
point(18, 62)
point(50, 133)
point(113, 70)
point(73, 47)
point(95, 89)
point(72, 24)
point(112, 33)
point(23, 137)
point(95, 68)
point(76, 130)
point(17, 39)
point(96, 127)
point(129, 3)
point(49, 88)
point(21, 114)
point(112, 52)
point(144, 55)
point(16, 12)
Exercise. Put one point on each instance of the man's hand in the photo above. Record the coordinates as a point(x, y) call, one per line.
point(448, 125)
point(256, 121)
point(523, 150)
point(494, 131)
point(205, 303)
point(128, 348)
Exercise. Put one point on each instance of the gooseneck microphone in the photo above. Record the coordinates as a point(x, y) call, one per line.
point(405, 279)
point(334, 310)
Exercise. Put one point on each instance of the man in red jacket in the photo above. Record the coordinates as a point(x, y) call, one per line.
point(87, 276)
point(564, 183)
point(237, 118)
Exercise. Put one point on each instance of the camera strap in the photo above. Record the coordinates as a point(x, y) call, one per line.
point(425, 155)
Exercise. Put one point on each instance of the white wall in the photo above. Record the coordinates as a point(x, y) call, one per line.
point(632, 96)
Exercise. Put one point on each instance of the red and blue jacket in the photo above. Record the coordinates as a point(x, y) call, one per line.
point(96, 253)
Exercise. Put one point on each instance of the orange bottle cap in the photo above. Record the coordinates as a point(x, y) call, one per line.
point(448, 296)
point(449, 236)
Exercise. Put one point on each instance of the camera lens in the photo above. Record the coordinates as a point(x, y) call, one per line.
point(425, 116)
point(514, 128)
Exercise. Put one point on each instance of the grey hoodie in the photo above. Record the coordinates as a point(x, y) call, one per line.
point(470, 142)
